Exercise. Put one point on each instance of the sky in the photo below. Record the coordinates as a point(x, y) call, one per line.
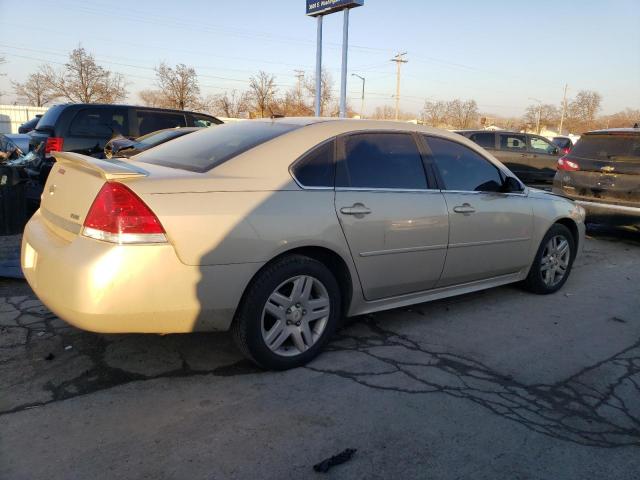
point(502, 53)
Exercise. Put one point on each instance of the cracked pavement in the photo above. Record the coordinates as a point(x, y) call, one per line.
point(496, 384)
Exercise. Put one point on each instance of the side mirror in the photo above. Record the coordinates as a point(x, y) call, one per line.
point(511, 185)
point(555, 151)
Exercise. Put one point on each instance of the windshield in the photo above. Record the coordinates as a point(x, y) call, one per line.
point(608, 147)
point(562, 142)
point(204, 150)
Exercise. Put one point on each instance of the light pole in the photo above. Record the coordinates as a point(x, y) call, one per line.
point(539, 113)
point(362, 99)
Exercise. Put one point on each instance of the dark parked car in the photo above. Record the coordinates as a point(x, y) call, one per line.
point(565, 144)
point(127, 147)
point(86, 128)
point(602, 173)
point(531, 157)
point(29, 125)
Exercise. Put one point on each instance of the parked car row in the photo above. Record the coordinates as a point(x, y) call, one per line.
point(532, 158)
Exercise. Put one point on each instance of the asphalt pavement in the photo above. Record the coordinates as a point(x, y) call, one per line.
point(491, 385)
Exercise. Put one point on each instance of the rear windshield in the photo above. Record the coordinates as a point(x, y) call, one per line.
point(50, 117)
point(608, 147)
point(202, 151)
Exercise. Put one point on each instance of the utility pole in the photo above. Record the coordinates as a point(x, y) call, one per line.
point(539, 113)
point(318, 109)
point(343, 72)
point(564, 108)
point(399, 59)
point(362, 99)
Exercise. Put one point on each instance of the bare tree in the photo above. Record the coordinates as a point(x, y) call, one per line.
point(230, 105)
point(326, 90)
point(262, 92)
point(626, 118)
point(435, 113)
point(84, 81)
point(36, 90)
point(549, 115)
point(179, 86)
point(462, 114)
point(154, 98)
point(583, 109)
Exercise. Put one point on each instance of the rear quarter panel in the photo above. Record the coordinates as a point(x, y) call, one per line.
point(217, 228)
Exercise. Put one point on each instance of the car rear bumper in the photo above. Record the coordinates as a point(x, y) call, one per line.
point(107, 288)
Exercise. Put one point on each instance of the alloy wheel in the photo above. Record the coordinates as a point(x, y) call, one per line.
point(295, 315)
point(555, 260)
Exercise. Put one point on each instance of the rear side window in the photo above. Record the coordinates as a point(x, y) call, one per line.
point(485, 140)
point(513, 142)
point(381, 160)
point(203, 150)
point(150, 121)
point(608, 147)
point(463, 169)
point(316, 168)
point(99, 122)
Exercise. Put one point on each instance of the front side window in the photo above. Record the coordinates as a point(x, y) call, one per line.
point(513, 142)
point(541, 145)
point(316, 168)
point(381, 160)
point(99, 122)
point(485, 140)
point(150, 121)
point(462, 169)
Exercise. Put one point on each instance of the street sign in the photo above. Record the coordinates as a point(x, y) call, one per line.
point(324, 7)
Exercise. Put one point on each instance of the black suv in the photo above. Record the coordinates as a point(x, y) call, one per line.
point(86, 128)
point(532, 158)
point(602, 173)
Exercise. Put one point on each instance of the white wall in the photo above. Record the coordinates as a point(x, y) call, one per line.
point(12, 116)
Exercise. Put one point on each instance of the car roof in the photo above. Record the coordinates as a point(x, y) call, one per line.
point(606, 131)
point(120, 105)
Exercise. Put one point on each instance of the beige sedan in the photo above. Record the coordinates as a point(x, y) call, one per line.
point(277, 229)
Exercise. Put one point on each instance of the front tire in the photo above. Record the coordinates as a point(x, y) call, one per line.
point(553, 261)
point(288, 313)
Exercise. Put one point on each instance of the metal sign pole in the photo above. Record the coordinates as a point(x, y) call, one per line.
point(319, 68)
point(343, 80)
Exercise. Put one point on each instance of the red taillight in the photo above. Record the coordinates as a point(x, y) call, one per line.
point(566, 150)
point(118, 215)
point(567, 165)
point(54, 144)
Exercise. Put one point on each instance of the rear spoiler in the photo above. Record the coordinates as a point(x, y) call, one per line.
point(108, 169)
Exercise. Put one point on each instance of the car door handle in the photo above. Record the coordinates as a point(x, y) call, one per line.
point(464, 208)
point(356, 209)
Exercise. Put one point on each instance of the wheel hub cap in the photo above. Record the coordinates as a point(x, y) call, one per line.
point(295, 315)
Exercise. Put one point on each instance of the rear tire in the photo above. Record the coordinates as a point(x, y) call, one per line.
point(288, 313)
point(553, 261)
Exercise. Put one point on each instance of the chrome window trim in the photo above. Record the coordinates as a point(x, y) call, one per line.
point(524, 193)
point(396, 190)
